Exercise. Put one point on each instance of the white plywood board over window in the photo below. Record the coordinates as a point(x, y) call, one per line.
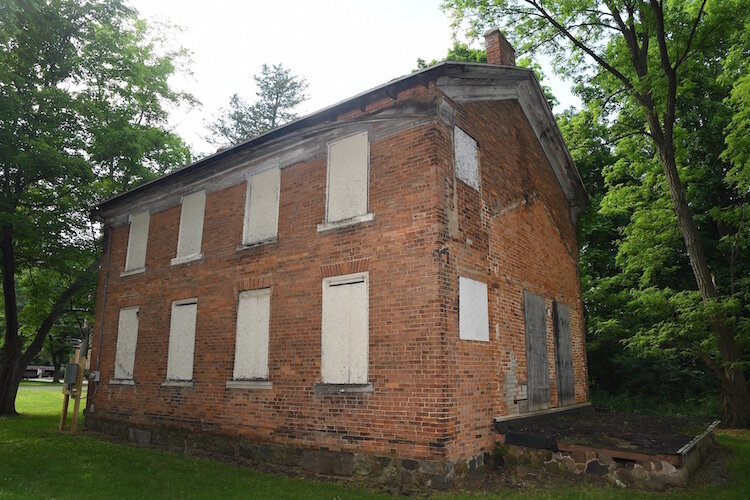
point(127, 338)
point(262, 206)
point(345, 333)
point(466, 158)
point(137, 241)
point(473, 313)
point(182, 340)
point(251, 346)
point(348, 174)
point(191, 226)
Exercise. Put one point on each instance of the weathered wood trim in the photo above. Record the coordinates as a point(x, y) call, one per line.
point(301, 146)
point(305, 139)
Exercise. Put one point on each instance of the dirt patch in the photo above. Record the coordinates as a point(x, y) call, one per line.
point(620, 431)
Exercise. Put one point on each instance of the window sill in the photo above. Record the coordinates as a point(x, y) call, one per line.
point(255, 244)
point(122, 381)
point(178, 383)
point(187, 258)
point(131, 272)
point(343, 388)
point(265, 385)
point(327, 226)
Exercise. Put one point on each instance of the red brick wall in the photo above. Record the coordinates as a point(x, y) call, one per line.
point(514, 234)
point(404, 415)
point(434, 395)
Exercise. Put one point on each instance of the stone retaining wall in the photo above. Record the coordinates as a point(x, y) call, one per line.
point(656, 472)
point(384, 472)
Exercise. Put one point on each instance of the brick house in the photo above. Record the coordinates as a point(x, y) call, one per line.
point(359, 292)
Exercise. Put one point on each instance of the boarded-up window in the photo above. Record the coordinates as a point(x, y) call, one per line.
point(137, 241)
point(566, 394)
point(537, 370)
point(191, 225)
point(182, 340)
point(262, 206)
point(473, 314)
point(251, 346)
point(345, 329)
point(348, 161)
point(127, 338)
point(466, 158)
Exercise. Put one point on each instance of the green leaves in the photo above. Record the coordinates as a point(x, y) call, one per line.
point(84, 93)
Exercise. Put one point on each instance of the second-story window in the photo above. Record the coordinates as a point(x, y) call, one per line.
point(191, 228)
point(466, 158)
point(135, 260)
point(348, 174)
point(262, 207)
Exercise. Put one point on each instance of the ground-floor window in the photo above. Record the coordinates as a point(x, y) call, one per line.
point(345, 329)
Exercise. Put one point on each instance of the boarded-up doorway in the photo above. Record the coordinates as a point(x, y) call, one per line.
point(563, 356)
point(537, 371)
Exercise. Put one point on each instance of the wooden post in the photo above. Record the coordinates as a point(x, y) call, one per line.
point(74, 391)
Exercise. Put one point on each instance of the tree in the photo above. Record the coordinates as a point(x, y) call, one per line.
point(460, 52)
point(279, 92)
point(83, 85)
point(641, 57)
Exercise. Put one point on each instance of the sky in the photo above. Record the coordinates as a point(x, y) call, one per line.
point(340, 47)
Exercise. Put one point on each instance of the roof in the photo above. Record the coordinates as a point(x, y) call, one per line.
point(460, 81)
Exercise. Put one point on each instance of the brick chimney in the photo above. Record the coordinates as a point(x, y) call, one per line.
point(499, 50)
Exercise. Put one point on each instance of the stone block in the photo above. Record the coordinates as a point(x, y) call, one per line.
point(431, 468)
point(361, 465)
point(140, 437)
point(249, 451)
point(567, 464)
point(410, 464)
point(594, 467)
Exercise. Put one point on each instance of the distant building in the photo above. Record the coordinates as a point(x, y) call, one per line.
point(359, 292)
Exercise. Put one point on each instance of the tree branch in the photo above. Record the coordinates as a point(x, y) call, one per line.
point(661, 37)
point(578, 43)
point(59, 308)
point(682, 58)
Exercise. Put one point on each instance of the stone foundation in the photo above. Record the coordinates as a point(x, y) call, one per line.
point(655, 472)
point(383, 472)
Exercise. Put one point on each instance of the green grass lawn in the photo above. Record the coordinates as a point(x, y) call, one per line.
point(37, 461)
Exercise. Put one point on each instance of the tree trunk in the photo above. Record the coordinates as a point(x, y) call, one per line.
point(735, 399)
point(56, 361)
point(11, 370)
